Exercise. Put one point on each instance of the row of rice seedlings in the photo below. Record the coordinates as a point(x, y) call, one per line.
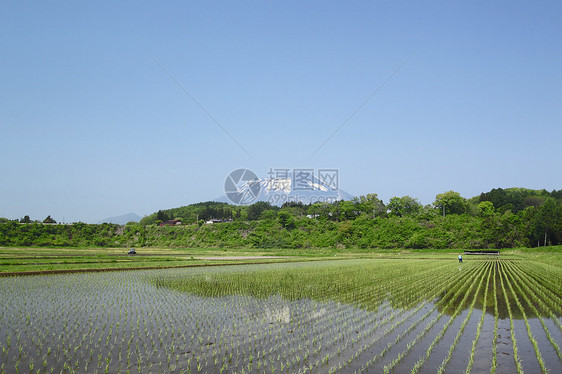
point(509, 270)
point(459, 283)
point(421, 361)
point(549, 273)
point(418, 365)
point(72, 334)
point(512, 329)
point(318, 335)
point(345, 284)
point(535, 291)
point(547, 288)
point(126, 323)
point(523, 288)
point(352, 341)
point(287, 343)
point(326, 357)
point(320, 340)
point(388, 330)
point(455, 287)
point(480, 323)
point(547, 300)
point(496, 317)
point(109, 335)
point(245, 344)
point(404, 318)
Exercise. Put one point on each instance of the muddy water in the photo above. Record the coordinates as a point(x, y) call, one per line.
point(525, 349)
point(419, 350)
point(504, 348)
point(459, 358)
point(483, 354)
point(441, 350)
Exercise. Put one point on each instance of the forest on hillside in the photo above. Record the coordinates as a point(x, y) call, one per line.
point(500, 218)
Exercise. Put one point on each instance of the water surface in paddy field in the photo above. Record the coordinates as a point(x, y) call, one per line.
point(88, 319)
point(128, 320)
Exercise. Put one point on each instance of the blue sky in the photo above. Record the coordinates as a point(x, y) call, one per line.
point(92, 127)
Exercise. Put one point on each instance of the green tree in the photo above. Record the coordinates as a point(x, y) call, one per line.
point(404, 206)
point(485, 209)
point(286, 220)
point(370, 204)
point(49, 220)
point(161, 216)
point(450, 202)
point(25, 219)
point(256, 209)
point(347, 210)
point(546, 223)
point(268, 214)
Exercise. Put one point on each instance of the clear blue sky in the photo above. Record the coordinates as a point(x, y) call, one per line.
point(92, 127)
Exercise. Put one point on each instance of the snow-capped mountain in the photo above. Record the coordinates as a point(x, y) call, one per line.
point(243, 187)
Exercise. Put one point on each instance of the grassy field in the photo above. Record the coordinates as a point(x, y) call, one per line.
point(369, 312)
point(33, 260)
point(48, 260)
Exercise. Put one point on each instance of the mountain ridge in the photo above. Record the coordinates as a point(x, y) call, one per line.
point(122, 219)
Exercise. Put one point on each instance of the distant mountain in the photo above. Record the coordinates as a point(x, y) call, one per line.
point(246, 188)
point(121, 220)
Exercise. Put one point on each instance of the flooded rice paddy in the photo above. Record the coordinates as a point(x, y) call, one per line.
point(347, 316)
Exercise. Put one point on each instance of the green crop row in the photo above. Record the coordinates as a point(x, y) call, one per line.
point(325, 316)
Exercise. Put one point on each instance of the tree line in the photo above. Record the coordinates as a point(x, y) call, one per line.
point(500, 218)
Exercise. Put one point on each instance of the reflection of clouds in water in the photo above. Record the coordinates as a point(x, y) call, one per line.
point(131, 304)
point(282, 314)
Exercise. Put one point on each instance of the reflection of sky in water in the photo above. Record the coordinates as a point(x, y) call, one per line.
point(61, 310)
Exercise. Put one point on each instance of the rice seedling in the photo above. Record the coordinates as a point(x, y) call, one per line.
point(461, 329)
point(480, 323)
point(349, 315)
point(502, 275)
point(529, 333)
point(496, 317)
point(520, 285)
